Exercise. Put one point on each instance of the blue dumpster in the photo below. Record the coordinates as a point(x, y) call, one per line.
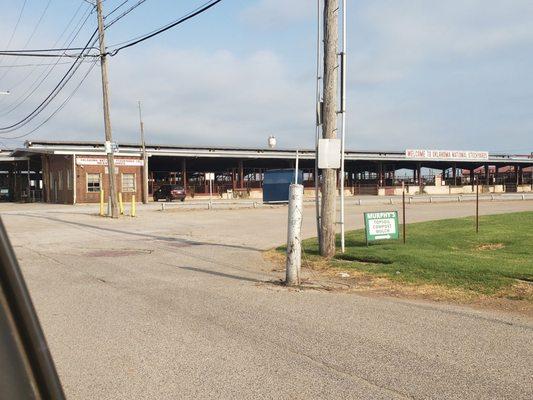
point(276, 184)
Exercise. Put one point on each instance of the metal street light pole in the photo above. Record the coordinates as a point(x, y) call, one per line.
point(343, 116)
point(318, 117)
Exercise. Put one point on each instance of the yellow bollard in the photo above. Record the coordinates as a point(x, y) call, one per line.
point(102, 202)
point(133, 205)
point(120, 203)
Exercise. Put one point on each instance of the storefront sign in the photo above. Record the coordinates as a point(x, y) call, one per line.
point(462, 155)
point(119, 162)
point(381, 225)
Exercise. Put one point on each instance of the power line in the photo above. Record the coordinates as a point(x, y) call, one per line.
point(42, 77)
point(193, 14)
point(58, 109)
point(35, 65)
point(116, 8)
point(16, 25)
point(64, 80)
point(133, 7)
point(70, 37)
point(85, 53)
point(32, 34)
point(35, 68)
point(18, 52)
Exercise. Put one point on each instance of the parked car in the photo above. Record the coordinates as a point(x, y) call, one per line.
point(170, 192)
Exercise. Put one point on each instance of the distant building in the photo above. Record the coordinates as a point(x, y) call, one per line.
point(75, 172)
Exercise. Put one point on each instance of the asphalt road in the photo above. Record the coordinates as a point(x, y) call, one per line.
point(174, 305)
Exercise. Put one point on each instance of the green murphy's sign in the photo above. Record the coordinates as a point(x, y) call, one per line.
point(381, 225)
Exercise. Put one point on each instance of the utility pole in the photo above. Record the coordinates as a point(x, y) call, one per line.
point(145, 159)
point(329, 125)
point(107, 120)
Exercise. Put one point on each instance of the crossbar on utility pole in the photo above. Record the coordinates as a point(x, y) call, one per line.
point(107, 119)
point(145, 159)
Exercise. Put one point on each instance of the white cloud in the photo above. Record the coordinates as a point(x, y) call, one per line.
point(277, 13)
point(194, 97)
point(419, 73)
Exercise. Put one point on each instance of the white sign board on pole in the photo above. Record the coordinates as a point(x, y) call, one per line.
point(123, 162)
point(329, 153)
point(209, 176)
point(459, 155)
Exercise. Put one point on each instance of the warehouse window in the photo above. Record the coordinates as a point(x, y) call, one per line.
point(93, 182)
point(128, 182)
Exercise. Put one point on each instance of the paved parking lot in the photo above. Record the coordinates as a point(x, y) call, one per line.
point(174, 305)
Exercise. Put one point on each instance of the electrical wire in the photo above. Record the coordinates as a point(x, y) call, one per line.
point(36, 27)
point(44, 75)
point(16, 26)
point(35, 65)
point(165, 28)
point(115, 9)
point(64, 80)
point(70, 37)
point(85, 53)
point(133, 7)
point(58, 109)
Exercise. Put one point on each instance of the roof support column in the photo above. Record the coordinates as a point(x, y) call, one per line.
point(46, 178)
point(487, 175)
point(472, 177)
point(380, 171)
point(241, 174)
point(184, 173)
point(454, 174)
point(418, 173)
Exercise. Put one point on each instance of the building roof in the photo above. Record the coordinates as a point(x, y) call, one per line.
point(132, 149)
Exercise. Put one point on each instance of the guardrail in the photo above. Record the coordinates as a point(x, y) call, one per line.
point(358, 201)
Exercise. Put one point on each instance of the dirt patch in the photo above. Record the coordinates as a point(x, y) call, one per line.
point(490, 246)
point(319, 275)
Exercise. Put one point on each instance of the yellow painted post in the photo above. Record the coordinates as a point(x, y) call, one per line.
point(120, 203)
point(133, 205)
point(102, 202)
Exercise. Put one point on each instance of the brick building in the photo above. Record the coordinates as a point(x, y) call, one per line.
point(70, 179)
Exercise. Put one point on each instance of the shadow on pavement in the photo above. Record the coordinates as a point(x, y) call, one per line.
point(216, 273)
point(144, 235)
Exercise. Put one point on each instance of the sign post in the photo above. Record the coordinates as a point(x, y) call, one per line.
point(381, 225)
point(403, 213)
point(210, 177)
point(477, 205)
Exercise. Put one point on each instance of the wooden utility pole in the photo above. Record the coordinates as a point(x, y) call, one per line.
point(145, 160)
point(107, 119)
point(329, 125)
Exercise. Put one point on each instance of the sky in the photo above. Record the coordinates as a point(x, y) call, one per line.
point(420, 74)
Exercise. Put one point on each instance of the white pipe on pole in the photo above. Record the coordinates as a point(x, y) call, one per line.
point(296, 169)
point(317, 130)
point(343, 115)
point(294, 242)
